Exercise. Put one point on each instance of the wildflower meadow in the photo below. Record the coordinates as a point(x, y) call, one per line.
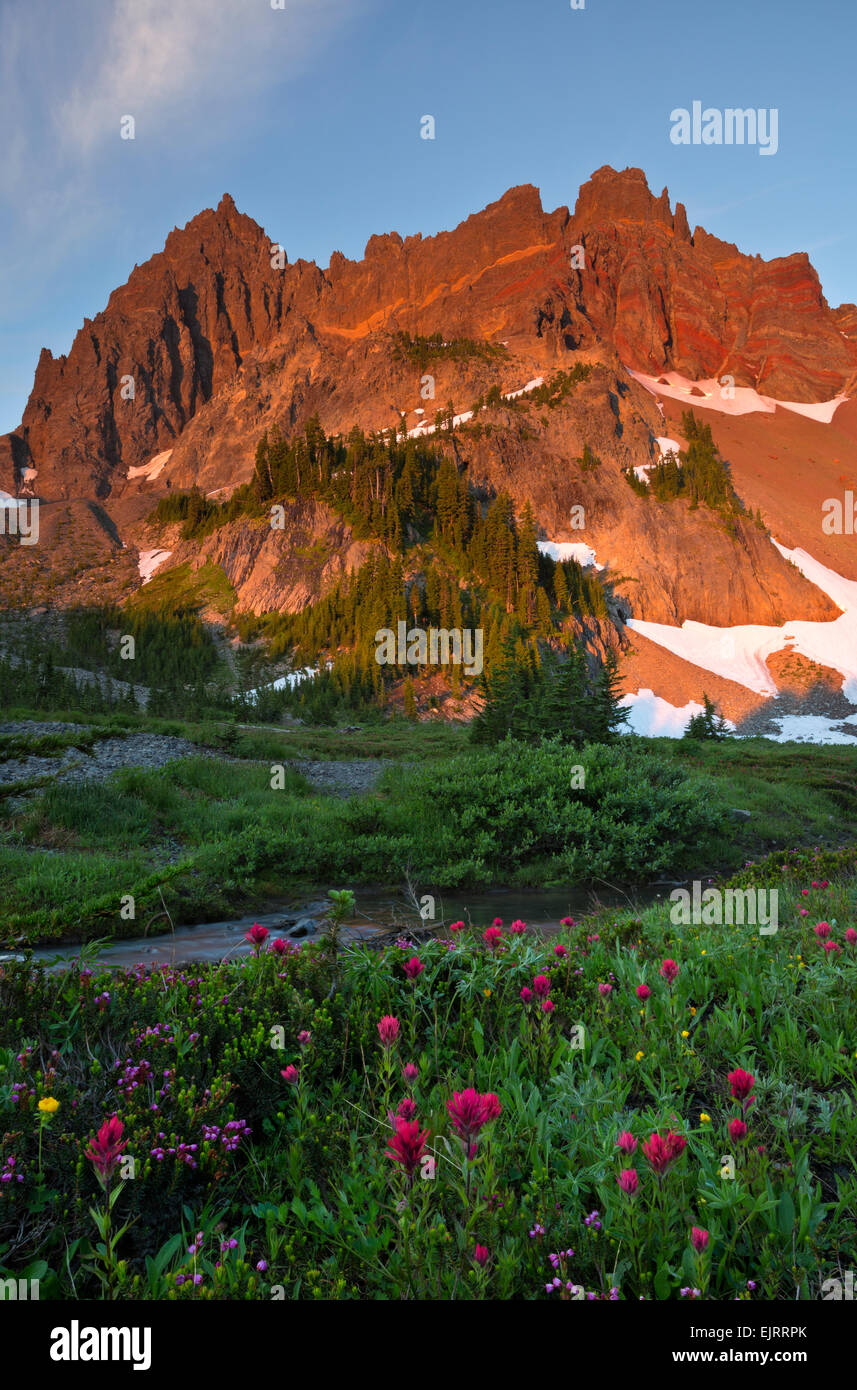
point(624, 1111)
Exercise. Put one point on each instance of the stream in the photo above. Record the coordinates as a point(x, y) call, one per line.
point(378, 911)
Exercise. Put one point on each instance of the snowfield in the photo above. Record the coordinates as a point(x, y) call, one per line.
point(739, 653)
point(744, 401)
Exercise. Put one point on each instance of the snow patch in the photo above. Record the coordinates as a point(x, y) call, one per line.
point(283, 682)
point(570, 550)
point(813, 728)
point(151, 469)
point(423, 428)
point(650, 716)
point(149, 562)
point(744, 401)
point(739, 653)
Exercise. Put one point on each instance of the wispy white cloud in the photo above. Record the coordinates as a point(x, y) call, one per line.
point(187, 71)
point(156, 59)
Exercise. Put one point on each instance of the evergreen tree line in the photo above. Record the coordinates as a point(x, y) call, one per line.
point(540, 693)
point(699, 474)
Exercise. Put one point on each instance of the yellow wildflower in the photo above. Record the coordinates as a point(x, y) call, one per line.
point(48, 1105)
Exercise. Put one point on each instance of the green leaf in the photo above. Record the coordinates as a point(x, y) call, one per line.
point(786, 1214)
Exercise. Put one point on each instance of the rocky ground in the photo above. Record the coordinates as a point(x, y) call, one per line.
point(70, 765)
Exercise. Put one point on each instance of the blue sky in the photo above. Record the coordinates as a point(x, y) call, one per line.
point(310, 116)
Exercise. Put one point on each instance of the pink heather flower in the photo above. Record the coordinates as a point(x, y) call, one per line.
point(548, 1006)
point(413, 967)
point(481, 1256)
point(407, 1109)
point(643, 993)
point(605, 990)
point(737, 1129)
point(456, 926)
point(698, 1239)
point(560, 951)
point(628, 1181)
point(542, 986)
point(407, 1145)
point(741, 1083)
point(822, 929)
point(492, 937)
point(626, 1142)
point(526, 994)
point(566, 922)
point(669, 970)
point(290, 1074)
point(410, 1072)
point(518, 927)
point(257, 936)
point(105, 1149)
point(388, 1030)
point(469, 1111)
point(304, 1037)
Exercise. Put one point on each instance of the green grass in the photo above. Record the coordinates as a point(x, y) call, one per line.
point(186, 588)
point(212, 837)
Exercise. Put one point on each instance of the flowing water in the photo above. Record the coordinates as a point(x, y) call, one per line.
point(378, 910)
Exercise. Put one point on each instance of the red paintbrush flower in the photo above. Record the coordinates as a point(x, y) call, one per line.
point(698, 1239)
point(388, 1030)
point(628, 1181)
point(741, 1083)
point(661, 1153)
point(469, 1111)
point(257, 936)
point(105, 1149)
point(407, 1145)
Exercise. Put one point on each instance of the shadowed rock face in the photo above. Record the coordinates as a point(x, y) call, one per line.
point(220, 345)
